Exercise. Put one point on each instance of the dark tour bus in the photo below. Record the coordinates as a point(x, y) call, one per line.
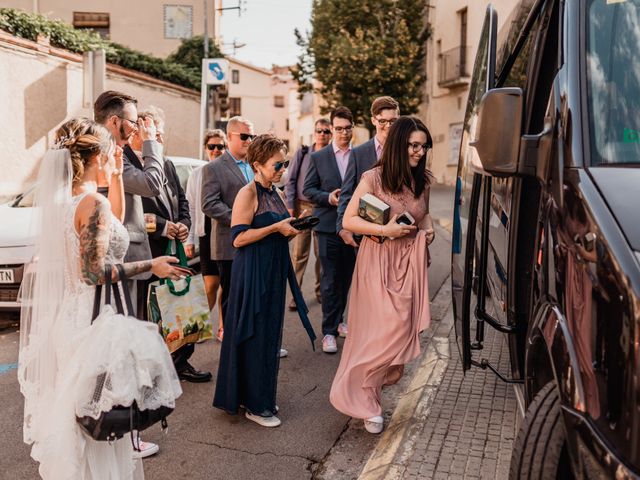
point(546, 230)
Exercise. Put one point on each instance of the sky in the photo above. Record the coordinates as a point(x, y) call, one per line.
point(266, 27)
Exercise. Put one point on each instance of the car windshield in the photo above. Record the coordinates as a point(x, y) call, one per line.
point(613, 80)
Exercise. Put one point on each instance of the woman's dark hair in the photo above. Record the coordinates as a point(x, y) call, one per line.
point(396, 169)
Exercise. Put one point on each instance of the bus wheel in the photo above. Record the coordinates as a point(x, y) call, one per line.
point(540, 451)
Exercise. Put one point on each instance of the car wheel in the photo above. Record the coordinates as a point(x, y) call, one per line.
point(541, 451)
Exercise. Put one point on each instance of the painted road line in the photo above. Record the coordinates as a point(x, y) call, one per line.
point(7, 367)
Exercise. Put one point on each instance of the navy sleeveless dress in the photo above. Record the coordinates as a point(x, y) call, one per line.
point(248, 370)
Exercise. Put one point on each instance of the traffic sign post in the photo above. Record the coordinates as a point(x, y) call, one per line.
point(215, 71)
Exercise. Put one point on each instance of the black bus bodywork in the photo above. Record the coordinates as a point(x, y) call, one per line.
point(546, 236)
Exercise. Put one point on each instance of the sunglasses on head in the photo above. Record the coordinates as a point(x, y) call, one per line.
point(280, 165)
point(213, 146)
point(326, 131)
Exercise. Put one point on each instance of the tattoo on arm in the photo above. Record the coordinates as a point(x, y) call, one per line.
point(132, 269)
point(94, 243)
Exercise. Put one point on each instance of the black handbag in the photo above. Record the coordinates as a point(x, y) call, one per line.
point(120, 420)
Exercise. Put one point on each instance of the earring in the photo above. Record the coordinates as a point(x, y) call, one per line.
point(99, 165)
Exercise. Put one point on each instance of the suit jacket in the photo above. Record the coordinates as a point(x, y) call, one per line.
point(323, 178)
point(291, 187)
point(362, 158)
point(140, 181)
point(221, 181)
point(172, 207)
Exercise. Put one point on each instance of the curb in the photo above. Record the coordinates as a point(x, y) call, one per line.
point(399, 438)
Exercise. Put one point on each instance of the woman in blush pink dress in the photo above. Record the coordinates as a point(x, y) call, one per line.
point(389, 303)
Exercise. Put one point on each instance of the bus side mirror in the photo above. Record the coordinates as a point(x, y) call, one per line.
point(498, 132)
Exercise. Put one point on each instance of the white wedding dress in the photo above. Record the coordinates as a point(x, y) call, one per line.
point(82, 352)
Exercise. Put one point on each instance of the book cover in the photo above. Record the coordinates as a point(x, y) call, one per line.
point(373, 210)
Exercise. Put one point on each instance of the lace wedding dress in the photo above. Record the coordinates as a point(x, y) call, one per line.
point(129, 352)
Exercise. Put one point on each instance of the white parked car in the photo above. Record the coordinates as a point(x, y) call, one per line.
point(18, 236)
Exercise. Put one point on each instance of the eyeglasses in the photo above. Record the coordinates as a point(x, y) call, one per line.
point(384, 121)
point(343, 129)
point(213, 146)
point(134, 124)
point(416, 147)
point(280, 165)
point(244, 136)
point(325, 131)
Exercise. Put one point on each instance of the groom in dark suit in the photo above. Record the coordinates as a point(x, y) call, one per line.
point(384, 112)
point(322, 186)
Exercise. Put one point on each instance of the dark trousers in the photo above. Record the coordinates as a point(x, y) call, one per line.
point(181, 356)
point(337, 260)
point(224, 268)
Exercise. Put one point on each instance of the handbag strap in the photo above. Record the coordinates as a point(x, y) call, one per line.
point(125, 289)
point(108, 285)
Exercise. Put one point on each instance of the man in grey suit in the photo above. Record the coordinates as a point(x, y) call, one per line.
point(222, 178)
point(118, 112)
point(322, 186)
point(384, 112)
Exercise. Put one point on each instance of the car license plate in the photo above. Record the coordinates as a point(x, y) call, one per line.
point(6, 276)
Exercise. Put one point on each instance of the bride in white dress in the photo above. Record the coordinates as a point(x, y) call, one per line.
point(80, 232)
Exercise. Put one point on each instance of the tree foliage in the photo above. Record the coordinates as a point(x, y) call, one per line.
point(360, 49)
point(191, 52)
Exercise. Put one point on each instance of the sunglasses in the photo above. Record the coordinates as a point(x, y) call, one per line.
point(244, 136)
point(280, 165)
point(343, 129)
point(214, 146)
point(325, 131)
point(416, 147)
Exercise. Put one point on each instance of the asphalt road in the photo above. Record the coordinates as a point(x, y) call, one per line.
point(206, 443)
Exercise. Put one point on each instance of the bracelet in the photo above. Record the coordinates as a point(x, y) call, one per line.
point(117, 172)
point(382, 230)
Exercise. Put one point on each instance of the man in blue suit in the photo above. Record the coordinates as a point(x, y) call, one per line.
point(384, 112)
point(322, 186)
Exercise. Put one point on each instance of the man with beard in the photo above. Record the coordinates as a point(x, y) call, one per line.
point(119, 114)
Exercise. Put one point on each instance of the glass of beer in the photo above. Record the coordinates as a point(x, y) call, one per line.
point(150, 222)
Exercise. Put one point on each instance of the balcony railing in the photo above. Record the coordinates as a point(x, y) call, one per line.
point(453, 68)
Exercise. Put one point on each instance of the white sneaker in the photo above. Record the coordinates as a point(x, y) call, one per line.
point(268, 422)
point(283, 353)
point(145, 449)
point(329, 344)
point(343, 330)
point(374, 424)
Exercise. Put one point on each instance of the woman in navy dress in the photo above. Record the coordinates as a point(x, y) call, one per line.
point(260, 227)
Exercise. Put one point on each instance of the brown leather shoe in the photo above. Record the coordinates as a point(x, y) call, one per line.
point(292, 306)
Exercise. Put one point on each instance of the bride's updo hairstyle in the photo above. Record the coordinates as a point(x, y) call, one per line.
point(263, 147)
point(84, 139)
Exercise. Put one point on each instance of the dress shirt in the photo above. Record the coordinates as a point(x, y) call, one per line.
point(378, 146)
point(342, 158)
point(244, 167)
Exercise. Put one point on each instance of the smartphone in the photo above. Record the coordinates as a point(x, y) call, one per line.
point(305, 223)
point(406, 219)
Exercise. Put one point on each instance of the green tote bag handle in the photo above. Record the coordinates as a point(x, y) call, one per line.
point(182, 258)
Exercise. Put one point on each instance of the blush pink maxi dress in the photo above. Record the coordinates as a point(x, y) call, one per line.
point(388, 308)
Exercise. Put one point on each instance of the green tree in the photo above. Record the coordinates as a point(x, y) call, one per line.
point(191, 52)
point(361, 49)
